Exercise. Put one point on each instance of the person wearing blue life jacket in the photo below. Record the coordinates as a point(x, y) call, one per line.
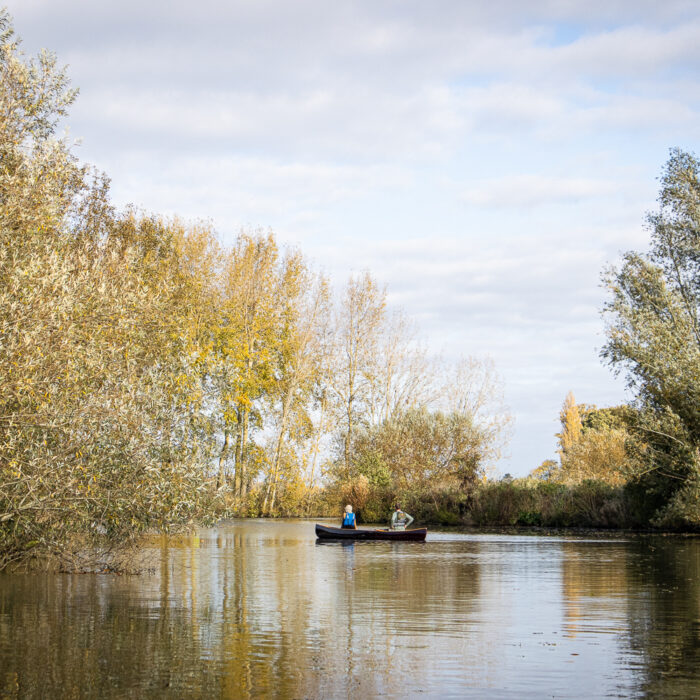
point(400, 520)
point(349, 519)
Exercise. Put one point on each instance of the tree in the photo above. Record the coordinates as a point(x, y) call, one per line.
point(304, 302)
point(654, 335)
point(245, 340)
point(549, 470)
point(472, 388)
point(359, 322)
point(446, 446)
point(593, 444)
point(599, 454)
point(403, 375)
point(97, 407)
point(570, 417)
point(419, 448)
point(621, 417)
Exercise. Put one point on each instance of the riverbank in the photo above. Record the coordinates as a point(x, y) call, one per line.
point(521, 503)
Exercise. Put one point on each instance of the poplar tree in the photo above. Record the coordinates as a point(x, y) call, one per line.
point(245, 340)
point(359, 323)
point(570, 417)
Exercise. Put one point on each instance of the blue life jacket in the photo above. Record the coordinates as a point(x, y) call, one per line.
point(349, 520)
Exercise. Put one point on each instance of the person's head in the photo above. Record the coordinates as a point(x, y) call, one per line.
point(348, 509)
point(397, 507)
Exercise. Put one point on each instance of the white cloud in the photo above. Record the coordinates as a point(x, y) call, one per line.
point(532, 190)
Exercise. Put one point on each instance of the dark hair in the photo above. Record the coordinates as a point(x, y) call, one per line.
point(397, 507)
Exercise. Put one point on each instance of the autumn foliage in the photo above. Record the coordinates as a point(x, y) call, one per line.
point(153, 377)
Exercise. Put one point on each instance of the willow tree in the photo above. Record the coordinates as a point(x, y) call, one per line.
point(91, 343)
point(654, 337)
point(40, 182)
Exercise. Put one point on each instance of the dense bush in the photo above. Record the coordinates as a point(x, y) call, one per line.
point(527, 502)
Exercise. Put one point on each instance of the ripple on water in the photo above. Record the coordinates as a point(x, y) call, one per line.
point(256, 608)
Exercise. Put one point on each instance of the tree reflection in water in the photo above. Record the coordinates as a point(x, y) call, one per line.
point(259, 609)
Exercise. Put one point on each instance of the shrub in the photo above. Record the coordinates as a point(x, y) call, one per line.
point(590, 504)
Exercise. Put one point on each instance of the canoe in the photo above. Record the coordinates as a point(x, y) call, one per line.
point(337, 533)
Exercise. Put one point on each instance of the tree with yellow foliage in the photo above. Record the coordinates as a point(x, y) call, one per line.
point(305, 307)
point(570, 417)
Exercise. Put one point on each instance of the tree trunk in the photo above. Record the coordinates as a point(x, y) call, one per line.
point(221, 477)
point(238, 474)
point(244, 454)
point(272, 486)
point(317, 445)
point(348, 435)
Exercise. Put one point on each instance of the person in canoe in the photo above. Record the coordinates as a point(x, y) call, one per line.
point(400, 520)
point(349, 519)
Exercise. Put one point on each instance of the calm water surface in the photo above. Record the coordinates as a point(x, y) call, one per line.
point(260, 609)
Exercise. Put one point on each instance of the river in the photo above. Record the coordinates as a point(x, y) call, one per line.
point(261, 609)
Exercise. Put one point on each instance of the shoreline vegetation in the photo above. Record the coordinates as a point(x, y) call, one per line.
point(519, 504)
point(154, 378)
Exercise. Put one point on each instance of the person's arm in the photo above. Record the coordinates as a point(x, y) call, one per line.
point(410, 519)
point(393, 519)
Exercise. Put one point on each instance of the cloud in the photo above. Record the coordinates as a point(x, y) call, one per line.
point(236, 191)
point(533, 190)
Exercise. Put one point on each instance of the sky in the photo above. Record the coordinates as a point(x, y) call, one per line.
point(484, 160)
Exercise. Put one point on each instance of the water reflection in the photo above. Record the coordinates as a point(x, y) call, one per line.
point(259, 609)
